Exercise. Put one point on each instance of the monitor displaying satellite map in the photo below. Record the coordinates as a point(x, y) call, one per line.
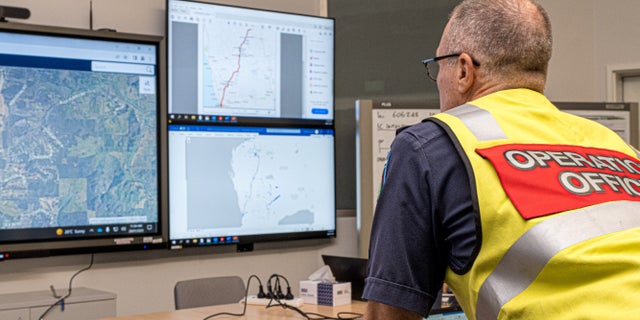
point(78, 137)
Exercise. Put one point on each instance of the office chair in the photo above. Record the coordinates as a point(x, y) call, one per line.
point(208, 292)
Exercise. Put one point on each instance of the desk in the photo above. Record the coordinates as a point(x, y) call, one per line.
point(253, 312)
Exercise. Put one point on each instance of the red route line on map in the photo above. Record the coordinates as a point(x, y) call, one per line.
point(233, 74)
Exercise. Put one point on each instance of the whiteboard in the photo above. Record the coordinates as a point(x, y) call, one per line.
point(377, 122)
point(386, 122)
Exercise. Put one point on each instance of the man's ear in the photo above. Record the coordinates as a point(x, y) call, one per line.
point(465, 73)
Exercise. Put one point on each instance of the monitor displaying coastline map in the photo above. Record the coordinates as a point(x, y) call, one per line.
point(232, 183)
point(78, 138)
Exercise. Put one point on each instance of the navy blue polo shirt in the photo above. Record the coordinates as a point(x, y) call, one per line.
point(423, 221)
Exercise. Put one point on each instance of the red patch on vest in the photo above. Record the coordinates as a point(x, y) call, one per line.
point(545, 179)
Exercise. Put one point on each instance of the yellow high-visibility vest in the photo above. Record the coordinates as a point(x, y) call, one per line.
point(557, 200)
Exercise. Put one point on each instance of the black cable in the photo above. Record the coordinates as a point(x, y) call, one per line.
point(68, 293)
point(306, 315)
point(278, 288)
point(345, 315)
point(244, 309)
point(276, 301)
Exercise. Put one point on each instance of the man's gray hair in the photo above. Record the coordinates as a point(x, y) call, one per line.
point(507, 37)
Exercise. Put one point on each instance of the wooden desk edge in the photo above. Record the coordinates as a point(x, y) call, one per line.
point(253, 312)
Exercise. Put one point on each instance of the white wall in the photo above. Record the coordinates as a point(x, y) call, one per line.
point(571, 73)
point(617, 38)
point(589, 36)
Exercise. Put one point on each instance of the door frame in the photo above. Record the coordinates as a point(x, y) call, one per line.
point(615, 74)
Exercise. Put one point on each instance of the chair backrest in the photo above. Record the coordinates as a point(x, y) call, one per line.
point(208, 292)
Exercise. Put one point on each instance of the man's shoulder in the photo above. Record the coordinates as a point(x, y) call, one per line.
point(427, 136)
point(424, 129)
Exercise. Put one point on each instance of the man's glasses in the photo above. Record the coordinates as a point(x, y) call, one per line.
point(433, 66)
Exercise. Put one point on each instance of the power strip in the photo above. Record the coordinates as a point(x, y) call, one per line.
point(295, 302)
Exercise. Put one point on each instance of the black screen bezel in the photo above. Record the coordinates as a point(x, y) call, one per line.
point(32, 247)
point(248, 240)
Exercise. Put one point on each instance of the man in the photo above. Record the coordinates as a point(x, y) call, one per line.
point(526, 212)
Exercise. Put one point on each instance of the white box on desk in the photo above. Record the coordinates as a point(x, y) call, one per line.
point(325, 293)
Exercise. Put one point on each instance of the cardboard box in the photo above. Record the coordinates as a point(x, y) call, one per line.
point(325, 293)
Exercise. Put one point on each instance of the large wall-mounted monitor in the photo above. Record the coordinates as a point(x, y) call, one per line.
point(251, 138)
point(233, 61)
point(79, 141)
point(238, 185)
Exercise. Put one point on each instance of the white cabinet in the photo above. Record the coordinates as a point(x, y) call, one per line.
point(83, 304)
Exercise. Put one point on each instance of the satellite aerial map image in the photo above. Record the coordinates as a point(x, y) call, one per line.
point(76, 148)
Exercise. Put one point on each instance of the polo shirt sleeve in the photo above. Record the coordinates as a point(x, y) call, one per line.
point(409, 249)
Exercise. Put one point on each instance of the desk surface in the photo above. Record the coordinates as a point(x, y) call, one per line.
point(253, 312)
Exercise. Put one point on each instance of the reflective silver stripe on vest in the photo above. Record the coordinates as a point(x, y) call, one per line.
point(481, 122)
point(525, 259)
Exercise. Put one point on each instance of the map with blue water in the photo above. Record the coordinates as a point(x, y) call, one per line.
point(76, 148)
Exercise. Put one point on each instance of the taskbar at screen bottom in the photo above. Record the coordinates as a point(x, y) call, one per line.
point(199, 242)
point(77, 232)
point(248, 239)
